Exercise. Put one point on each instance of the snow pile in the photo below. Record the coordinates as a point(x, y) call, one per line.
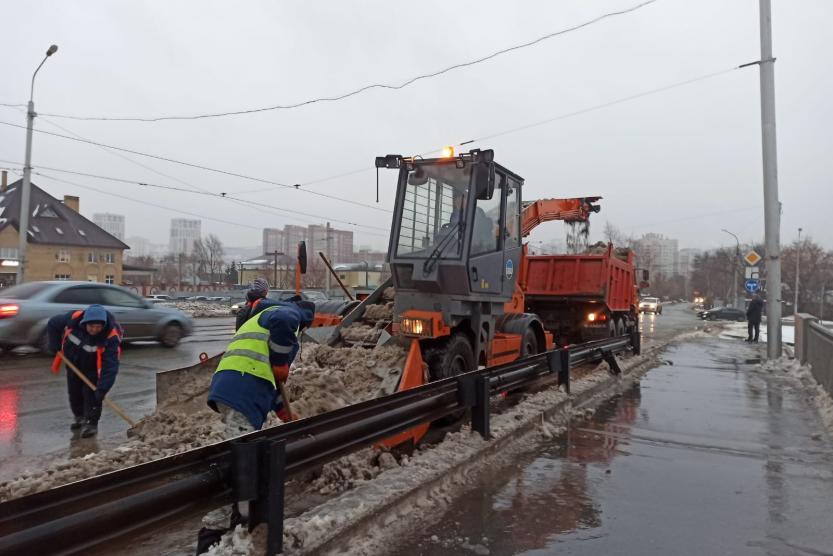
point(816, 394)
point(199, 309)
point(328, 378)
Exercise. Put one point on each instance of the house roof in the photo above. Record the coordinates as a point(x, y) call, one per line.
point(51, 222)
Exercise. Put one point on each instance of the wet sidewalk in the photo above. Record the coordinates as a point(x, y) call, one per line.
point(708, 455)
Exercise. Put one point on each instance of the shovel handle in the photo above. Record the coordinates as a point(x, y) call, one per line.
point(285, 398)
point(111, 404)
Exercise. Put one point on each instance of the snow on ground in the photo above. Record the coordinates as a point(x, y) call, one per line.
point(198, 309)
point(739, 330)
point(816, 394)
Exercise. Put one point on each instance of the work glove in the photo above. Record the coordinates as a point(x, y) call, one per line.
point(281, 372)
point(99, 396)
point(285, 416)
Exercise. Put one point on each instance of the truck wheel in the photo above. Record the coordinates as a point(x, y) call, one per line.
point(620, 327)
point(529, 343)
point(611, 328)
point(447, 358)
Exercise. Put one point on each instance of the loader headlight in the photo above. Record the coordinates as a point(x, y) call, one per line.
point(415, 327)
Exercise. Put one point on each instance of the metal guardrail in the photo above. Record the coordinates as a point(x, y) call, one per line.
point(72, 518)
point(819, 344)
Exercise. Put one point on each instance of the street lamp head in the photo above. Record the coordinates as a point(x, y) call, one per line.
point(52, 50)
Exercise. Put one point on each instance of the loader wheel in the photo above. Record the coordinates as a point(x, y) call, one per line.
point(529, 344)
point(447, 358)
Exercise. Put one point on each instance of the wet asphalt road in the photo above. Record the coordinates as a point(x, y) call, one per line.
point(34, 409)
point(707, 455)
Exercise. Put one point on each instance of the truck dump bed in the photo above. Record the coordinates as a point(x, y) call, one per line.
point(603, 278)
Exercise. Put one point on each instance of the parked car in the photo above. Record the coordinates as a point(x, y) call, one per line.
point(158, 298)
point(25, 310)
point(650, 305)
point(196, 298)
point(723, 313)
point(219, 298)
point(282, 295)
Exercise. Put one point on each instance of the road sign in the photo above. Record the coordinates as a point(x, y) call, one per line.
point(752, 258)
point(752, 285)
point(752, 272)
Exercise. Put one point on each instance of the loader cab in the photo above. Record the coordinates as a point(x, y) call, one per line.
point(456, 227)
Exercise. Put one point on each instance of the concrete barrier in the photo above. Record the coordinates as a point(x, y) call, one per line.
point(814, 346)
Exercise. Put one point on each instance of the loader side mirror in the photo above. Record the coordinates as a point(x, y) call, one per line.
point(485, 181)
point(302, 256)
point(645, 276)
point(418, 177)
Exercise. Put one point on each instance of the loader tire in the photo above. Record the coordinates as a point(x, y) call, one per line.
point(529, 343)
point(450, 357)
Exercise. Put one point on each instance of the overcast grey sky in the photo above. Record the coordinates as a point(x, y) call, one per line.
point(685, 162)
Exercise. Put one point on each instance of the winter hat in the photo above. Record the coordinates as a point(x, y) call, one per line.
point(260, 285)
point(94, 313)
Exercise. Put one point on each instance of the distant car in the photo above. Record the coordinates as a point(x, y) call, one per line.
point(282, 295)
point(650, 305)
point(158, 298)
point(219, 298)
point(723, 313)
point(25, 310)
point(196, 298)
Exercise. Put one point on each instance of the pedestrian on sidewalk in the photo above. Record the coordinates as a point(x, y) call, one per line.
point(244, 387)
point(753, 317)
point(90, 339)
point(258, 290)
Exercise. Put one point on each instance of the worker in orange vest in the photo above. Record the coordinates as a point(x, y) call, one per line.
point(91, 340)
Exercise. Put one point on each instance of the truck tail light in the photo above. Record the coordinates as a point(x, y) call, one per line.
point(596, 317)
point(10, 310)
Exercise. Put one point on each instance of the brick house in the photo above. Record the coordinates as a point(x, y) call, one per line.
point(63, 245)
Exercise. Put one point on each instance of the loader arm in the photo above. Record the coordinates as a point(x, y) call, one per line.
point(577, 209)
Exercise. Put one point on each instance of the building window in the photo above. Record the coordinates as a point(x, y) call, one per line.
point(62, 256)
point(109, 279)
point(62, 276)
point(8, 252)
point(91, 257)
point(108, 258)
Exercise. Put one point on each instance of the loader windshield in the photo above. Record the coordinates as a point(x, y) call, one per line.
point(433, 211)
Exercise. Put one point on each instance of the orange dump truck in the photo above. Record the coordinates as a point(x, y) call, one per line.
point(582, 297)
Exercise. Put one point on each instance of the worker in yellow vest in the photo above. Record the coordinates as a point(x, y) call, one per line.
point(244, 387)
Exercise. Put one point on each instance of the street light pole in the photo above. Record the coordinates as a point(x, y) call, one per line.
point(772, 206)
point(26, 191)
point(735, 300)
point(797, 260)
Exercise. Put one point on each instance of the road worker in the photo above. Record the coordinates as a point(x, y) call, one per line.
point(258, 290)
point(244, 387)
point(91, 340)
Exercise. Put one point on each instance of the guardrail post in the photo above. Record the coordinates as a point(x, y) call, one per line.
point(473, 392)
point(480, 413)
point(258, 477)
point(559, 363)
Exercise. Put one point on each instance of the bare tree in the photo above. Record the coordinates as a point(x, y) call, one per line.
point(616, 236)
point(215, 252)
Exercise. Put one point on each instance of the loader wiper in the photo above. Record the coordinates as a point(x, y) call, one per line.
point(445, 239)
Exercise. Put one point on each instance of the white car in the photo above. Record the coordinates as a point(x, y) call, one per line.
point(650, 305)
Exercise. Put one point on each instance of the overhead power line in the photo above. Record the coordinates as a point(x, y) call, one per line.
point(199, 166)
point(364, 88)
point(316, 217)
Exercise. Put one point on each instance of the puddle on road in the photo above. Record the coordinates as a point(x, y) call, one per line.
point(664, 468)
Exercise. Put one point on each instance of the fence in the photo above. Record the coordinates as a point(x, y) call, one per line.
point(814, 346)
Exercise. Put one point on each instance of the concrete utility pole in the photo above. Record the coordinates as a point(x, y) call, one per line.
point(797, 266)
point(26, 191)
point(772, 206)
point(735, 300)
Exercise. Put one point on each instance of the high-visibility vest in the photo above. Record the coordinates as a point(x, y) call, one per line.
point(248, 351)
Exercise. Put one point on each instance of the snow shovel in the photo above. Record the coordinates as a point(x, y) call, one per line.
point(285, 398)
point(111, 404)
